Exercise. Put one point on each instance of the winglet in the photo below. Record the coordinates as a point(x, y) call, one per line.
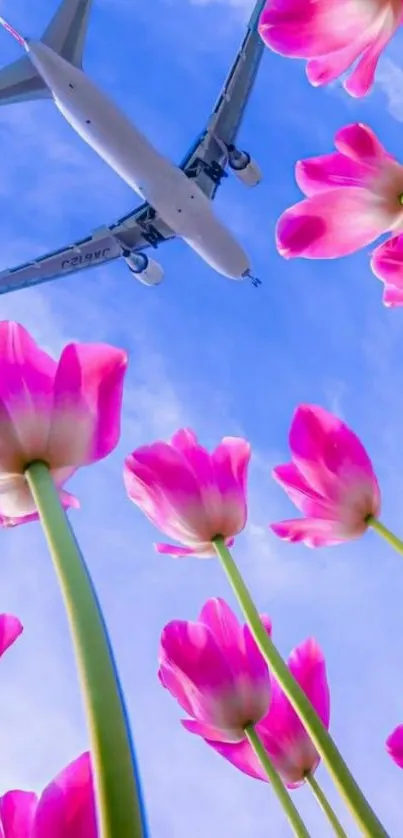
point(13, 32)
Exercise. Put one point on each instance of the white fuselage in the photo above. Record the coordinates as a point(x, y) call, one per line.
point(178, 199)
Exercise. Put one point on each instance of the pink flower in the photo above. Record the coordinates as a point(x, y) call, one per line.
point(66, 808)
point(387, 265)
point(189, 494)
point(394, 746)
point(64, 413)
point(285, 739)
point(10, 629)
point(330, 479)
point(354, 195)
point(216, 672)
point(332, 34)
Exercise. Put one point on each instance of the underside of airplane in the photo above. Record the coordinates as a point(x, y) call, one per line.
point(142, 231)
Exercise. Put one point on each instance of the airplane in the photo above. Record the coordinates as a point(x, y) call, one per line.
point(177, 200)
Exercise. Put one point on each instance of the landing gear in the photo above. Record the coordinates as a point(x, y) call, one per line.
point(254, 279)
point(213, 170)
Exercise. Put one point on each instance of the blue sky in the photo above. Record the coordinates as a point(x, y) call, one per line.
point(225, 359)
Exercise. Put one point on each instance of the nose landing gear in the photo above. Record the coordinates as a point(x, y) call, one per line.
point(254, 279)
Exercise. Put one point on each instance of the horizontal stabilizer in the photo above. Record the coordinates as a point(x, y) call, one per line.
point(67, 30)
point(20, 82)
point(65, 34)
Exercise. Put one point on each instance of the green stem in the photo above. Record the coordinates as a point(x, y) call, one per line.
point(383, 531)
point(119, 803)
point(289, 808)
point(325, 806)
point(322, 740)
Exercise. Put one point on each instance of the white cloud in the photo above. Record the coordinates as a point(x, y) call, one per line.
point(389, 79)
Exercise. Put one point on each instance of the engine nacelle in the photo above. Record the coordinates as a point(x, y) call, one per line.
point(146, 270)
point(244, 167)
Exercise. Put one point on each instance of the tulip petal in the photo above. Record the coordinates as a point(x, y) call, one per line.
point(325, 68)
point(394, 746)
point(87, 402)
point(17, 813)
point(362, 78)
point(359, 143)
point(26, 383)
point(202, 550)
point(333, 224)
point(392, 297)
point(314, 532)
point(223, 624)
point(178, 552)
point(10, 629)
point(235, 641)
point(66, 808)
point(194, 668)
point(241, 756)
point(159, 480)
point(387, 261)
point(207, 731)
point(321, 174)
point(329, 456)
point(307, 665)
point(301, 493)
point(307, 28)
point(221, 478)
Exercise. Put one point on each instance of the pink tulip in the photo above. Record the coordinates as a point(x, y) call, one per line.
point(387, 265)
point(216, 672)
point(66, 808)
point(285, 740)
point(332, 34)
point(189, 494)
point(64, 413)
point(330, 480)
point(354, 195)
point(10, 629)
point(394, 746)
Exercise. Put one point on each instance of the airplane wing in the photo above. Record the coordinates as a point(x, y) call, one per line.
point(205, 162)
point(136, 231)
point(207, 159)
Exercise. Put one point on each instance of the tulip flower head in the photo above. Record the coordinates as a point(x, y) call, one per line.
point(66, 808)
point(281, 732)
point(353, 196)
point(216, 672)
point(10, 629)
point(394, 746)
point(189, 494)
point(330, 480)
point(332, 34)
point(65, 414)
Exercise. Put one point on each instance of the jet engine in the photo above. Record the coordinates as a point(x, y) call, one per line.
point(244, 167)
point(144, 269)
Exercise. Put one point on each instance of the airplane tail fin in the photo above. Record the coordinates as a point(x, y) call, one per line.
point(67, 30)
point(65, 34)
